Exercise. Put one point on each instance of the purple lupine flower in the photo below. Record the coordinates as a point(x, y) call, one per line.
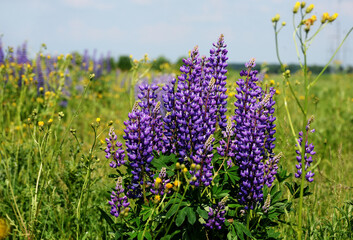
point(148, 97)
point(309, 152)
point(217, 62)
point(202, 171)
point(251, 118)
point(270, 169)
point(170, 118)
point(139, 146)
point(119, 202)
point(216, 215)
point(39, 75)
point(114, 148)
point(2, 55)
point(227, 144)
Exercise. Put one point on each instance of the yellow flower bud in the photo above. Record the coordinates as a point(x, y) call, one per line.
point(296, 7)
point(50, 121)
point(157, 198)
point(277, 17)
point(333, 17)
point(302, 5)
point(313, 18)
point(325, 17)
point(309, 8)
point(98, 120)
point(176, 183)
point(284, 24)
point(185, 170)
point(158, 180)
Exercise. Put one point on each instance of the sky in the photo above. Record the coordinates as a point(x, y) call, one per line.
point(171, 28)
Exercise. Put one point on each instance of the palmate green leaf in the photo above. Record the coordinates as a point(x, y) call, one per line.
point(160, 161)
point(191, 215)
point(181, 217)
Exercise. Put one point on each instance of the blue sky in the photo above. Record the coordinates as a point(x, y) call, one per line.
point(170, 28)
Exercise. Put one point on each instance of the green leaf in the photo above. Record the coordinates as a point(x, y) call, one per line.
point(202, 213)
point(181, 217)
point(172, 211)
point(108, 219)
point(146, 212)
point(191, 215)
point(240, 229)
point(148, 235)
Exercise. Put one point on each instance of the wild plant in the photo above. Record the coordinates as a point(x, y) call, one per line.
point(303, 36)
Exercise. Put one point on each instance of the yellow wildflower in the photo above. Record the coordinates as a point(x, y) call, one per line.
point(277, 92)
point(158, 180)
point(177, 183)
point(272, 82)
point(157, 198)
point(41, 89)
point(50, 121)
point(301, 97)
point(169, 185)
point(185, 170)
point(333, 17)
point(4, 228)
point(284, 23)
point(296, 7)
point(40, 123)
point(98, 120)
point(302, 5)
point(310, 8)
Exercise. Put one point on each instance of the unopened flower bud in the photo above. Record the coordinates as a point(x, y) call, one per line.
point(333, 17)
point(296, 7)
point(309, 8)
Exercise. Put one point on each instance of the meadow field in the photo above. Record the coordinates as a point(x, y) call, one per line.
point(99, 148)
point(56, 181)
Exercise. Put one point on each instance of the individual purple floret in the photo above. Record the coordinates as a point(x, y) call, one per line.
point(216, 215)
point(309, 152)
point(114, 148)
point(119, 202)
point(139, 146)
point(254, 117)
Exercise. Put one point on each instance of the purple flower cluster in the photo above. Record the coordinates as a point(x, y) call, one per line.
point(216, 215)
point(139, 147)
point(201, 169)
point(254, 130)
point(309, 152)
point(196, 102)
point(217, 63)
point(119, 202)
point(114, 148)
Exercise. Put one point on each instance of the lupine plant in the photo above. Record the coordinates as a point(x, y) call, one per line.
point(303, 35)
point(194, 162)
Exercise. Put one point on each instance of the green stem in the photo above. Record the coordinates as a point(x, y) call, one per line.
point(181, 200)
